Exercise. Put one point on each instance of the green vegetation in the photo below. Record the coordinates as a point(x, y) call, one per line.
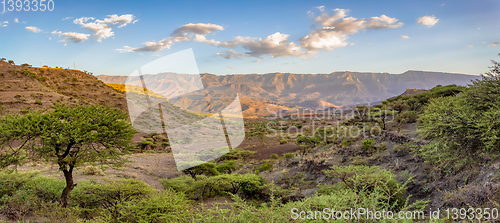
point(69, 136)
point(464, 129)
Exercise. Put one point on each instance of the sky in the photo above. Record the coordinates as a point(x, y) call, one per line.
point(246, 37)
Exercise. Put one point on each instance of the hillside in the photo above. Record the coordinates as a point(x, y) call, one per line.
point(25, 88)
point(311, 90)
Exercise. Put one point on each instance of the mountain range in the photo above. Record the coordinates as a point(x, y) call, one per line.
point(288, 90)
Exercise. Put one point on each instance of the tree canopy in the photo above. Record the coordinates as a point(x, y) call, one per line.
point(67, 136)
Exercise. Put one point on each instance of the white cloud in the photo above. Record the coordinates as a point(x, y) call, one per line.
point(33, 29)
point(274, 45)
point(404, 37)
point(71, 36)
point(148, 46)
point(16, 20)
point(67, 18)
point(199, 28)
point(337, 27)
point(427, 20)
point(334, 32)
point(228, 54)
point(135, 21)
point(470, 46)
point(6, 22)
point(179, 35)
point(102, 29)
point(493, 44)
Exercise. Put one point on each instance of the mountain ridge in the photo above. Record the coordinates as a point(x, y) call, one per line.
point(336, 89)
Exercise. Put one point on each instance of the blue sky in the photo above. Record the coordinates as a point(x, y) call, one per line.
point(235, 37)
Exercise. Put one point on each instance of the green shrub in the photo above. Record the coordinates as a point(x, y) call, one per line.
point(199, 168)
point(369, 145)
point(91, 195)
point(274, 156)
point(164, 206)
point(46, 189)
point(11, 182)
point(226, 167)
point(180, 184)
point(249, 184)
point(367, 179)
point(55, 213)
point(406, 117)
point(288, 155)
point(237, 154)
point(283, 141)
point(346, 143)
point(38, 102)
point(18, 205)
point(265, 166)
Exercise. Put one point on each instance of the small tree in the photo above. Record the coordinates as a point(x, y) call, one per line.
point(11, 62)
point(399, 106)
point(67, 136)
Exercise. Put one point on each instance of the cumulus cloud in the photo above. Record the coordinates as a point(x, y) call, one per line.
point(102, 29)
point(275, 45)
point(4, 24)
point(404, 37)
point(71, 36)
point(337, 27)
point(33, 29)
point(493, 44)
point(181, 34)
point(427, 20)
point(334, 31)
point(16, 20)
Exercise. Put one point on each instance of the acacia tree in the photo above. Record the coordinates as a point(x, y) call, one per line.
point(67, 136)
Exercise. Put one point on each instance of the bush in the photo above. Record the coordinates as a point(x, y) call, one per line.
point(11, 182)
point(265, 166)
point(237, 154)
point(369, 145)
point(274, 156)
point(164, 206)
point(249, 184)
point(226, 167)
point(38, 102)
point(180, 184)
point(92, 170)
point(20, 204)
point(283, 141)
point(199, 168)
point(406, 117)
point(46, 189)
point(91, 195)
point(366, 179)
point(288, 155)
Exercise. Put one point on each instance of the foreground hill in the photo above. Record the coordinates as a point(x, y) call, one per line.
point(315, 90)
point(25, 88)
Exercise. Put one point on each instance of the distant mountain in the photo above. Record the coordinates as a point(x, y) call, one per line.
point(308, 90)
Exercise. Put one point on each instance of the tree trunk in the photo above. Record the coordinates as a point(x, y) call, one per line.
point(68, 176)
